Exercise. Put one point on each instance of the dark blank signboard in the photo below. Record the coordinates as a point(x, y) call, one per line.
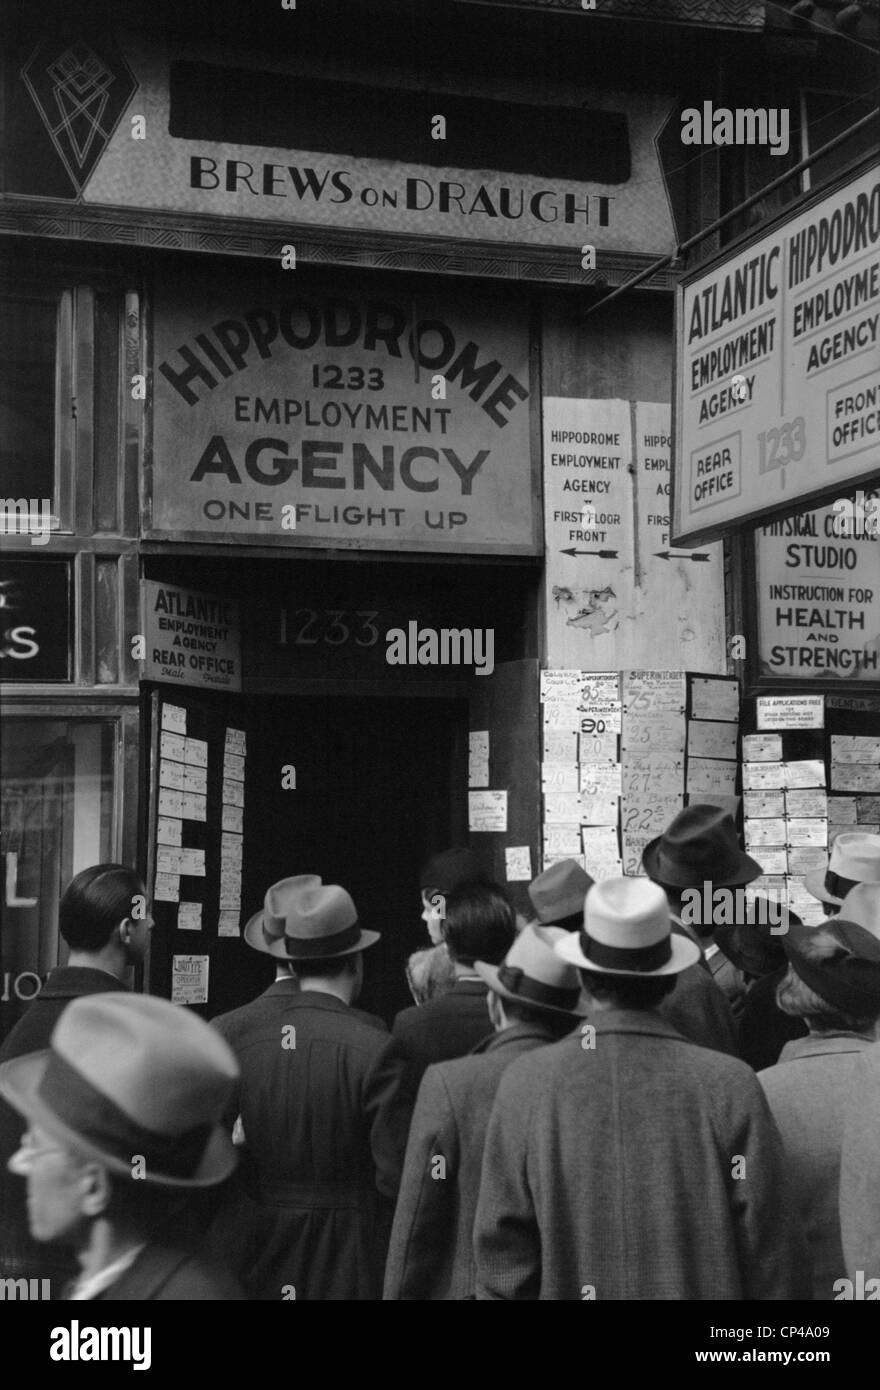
point(35, 620)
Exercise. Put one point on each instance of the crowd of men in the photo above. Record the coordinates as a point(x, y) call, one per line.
point(617, 1099)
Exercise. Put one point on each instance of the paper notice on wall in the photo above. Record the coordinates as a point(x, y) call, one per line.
point(651, 776)
point(773, 859)
point(561, 687)
point(763, 776)
point(562, 808)
point(478, 758)
point(169, 831)
point(189, 917)
point(173, 718)
point(170, 802)
point(843, 809)
point(600, 793)
point(854, 777)
point(761, 805)
point(790, 711)
point(189, 862)
point(233, 793)
point(196, 752)
point(709, 775)
point(588, 509)
point(560, 777)
point(230, 895)
point(599, 718)
point(762, 748)
point(598, 748)
point(487, 811)
point(229, 924)
point(518, 864)
point(601, 851)
point(561, 841)
point(765, 832)
point(807, 801)
point(166, 888)
point(195, 779)
point(714, 698)
point(233, 766)
point(662, 733)
point(560, 745)
point(233, 819)
point(809, 772)
point(195, 806)
point(171, 774)
point(561, 717)
point(189, 980)
point(653, 692)
point(172, 746)
point(869, 808)
point(802, 859)
point(235, 741)
point(847, 749)
point(711, 739)
point(807, 832)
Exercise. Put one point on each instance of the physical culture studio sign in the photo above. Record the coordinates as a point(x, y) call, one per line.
point(777, 398)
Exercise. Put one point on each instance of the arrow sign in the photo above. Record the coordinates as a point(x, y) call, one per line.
point(680, 555)
point(603, 554)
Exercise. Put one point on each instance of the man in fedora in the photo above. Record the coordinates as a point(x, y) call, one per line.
point(854, 858)
point(313, 1107)
point(558, 894)
point(627, 1162)
point(696, 856)
point(833, 983)
point(534, 999)
point(124, 1113)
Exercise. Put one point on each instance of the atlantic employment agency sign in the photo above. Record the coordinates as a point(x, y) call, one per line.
point(296, 416)
point(777, 398)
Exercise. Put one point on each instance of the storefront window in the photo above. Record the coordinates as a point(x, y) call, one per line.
point(28, 335)
point(56, 817)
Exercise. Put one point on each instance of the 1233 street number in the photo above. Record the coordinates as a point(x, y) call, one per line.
point(306, 627)
point(334, 378)
point(779, 447)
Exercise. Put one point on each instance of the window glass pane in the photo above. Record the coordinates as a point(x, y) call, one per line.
point(56, 818)
point(27, 397)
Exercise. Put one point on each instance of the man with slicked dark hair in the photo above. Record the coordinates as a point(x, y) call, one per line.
point(104, 919)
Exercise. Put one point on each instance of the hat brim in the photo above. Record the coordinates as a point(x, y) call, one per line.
point(19, 1084)
point(489, 973)
point(253, 935)
point(684, 954)
point(814, 882)
point(748, 869)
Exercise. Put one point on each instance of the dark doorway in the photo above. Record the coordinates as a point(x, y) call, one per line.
point(380, 785)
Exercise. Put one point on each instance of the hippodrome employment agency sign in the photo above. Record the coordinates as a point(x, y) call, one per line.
point(299, 414)
point(777, 398)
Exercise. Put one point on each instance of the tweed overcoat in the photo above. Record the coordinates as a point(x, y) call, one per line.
point(431, 1252)
point(814, 1083)
point(645, 1167)
point(316, 1140)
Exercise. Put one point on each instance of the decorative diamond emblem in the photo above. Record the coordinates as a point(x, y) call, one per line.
point(80, 89)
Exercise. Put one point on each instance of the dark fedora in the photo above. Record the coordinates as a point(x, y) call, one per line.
point(451, 869)
point(839, 961)
point(559, 892)
point(305, 919)
point(699, 846)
